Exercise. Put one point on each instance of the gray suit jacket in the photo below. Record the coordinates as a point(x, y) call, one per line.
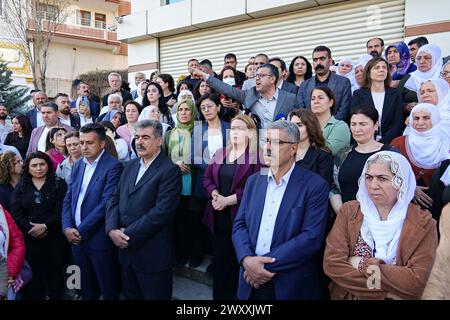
point(285, 104)
point(341, 87)
point(289, 87)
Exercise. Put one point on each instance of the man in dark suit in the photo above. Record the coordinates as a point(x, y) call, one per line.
point(65, 117)
point(230, 59)
point(83, 91)
point(341, 86)
point(94, 179)
point(115, 82)
point(282, 70)
point(140, 217)
point(280, 226)
point(35, 116)
point(264, 100)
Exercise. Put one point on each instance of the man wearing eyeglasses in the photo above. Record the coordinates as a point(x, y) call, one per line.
point(260, 59)
point(264, 100)
point(341, 86)
point(277, 237)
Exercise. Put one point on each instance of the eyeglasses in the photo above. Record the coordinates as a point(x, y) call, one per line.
point(261, 75)
point(276, 142)
point(207, 106)
point(445, 74)
point(37, 197)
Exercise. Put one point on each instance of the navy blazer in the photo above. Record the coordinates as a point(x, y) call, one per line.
point(392, 122)
point(94, 107)
point(32, 116)
point(93, 208)
point(200, 154)
point(297, 238)
point(146, 210)
point(341, 87)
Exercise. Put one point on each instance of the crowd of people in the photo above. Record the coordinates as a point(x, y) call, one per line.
point(312, 180)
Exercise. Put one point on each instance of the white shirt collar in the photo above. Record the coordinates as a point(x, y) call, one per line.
point(284, 178)
point(141, 161)
point(96, 160)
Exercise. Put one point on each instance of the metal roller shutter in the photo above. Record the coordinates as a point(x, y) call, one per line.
point(341, 27)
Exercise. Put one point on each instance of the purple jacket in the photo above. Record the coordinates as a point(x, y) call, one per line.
point(36, 134)
point(211, 181)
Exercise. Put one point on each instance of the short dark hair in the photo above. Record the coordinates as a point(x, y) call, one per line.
point(230, 56)
point(273, 71)
point(189, 85)
point(52, 105)
point(322, 48)
point(193, 59)
point(214, 97)
point(367, 82)
point(49, 144)
point(420, 41)
point(80, 83)
point(134, 103)
point(94, 127)
point(167, 78)
point(262, 55)
point(206, 62)
point(155, 124)
point(281, 61)
point(71, 134)
point(381, 40)
point(39, 155)
point(368, 111)
point(60, 95)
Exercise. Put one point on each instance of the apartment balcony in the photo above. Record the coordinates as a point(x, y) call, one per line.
point(96, 34)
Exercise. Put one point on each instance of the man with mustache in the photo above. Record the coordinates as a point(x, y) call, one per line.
point(341, 86)
point(280, 226)
point(76, 106)
point(375, 47)
point(140, 214)
point(4, 127)
point(39, 98)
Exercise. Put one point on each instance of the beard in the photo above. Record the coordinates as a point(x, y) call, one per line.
point(3, 116)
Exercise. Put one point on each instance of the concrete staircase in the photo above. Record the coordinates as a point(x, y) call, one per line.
point(192, 283)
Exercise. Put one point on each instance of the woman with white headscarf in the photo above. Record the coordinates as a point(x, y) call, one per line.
point(140, 91)
point(346, 69)
point(359, 70)
point(436, 91)
point(381, 246)
point(425, 147)
point(429, 65)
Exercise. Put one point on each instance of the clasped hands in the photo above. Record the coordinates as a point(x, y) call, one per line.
point(218, 201)
point(255, 274)
point(119, 238)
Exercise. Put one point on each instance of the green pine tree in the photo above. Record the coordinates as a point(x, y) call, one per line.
point(13, 96)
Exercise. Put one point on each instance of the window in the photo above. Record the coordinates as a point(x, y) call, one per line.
point(172, 1)
point(47, 12)
point(84, 18)
point(100, 20)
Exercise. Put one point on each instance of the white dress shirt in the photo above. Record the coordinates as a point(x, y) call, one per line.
point(87, 176)
point(143, 168)
point(42, 143)
point(39, 120)
point(274, 196)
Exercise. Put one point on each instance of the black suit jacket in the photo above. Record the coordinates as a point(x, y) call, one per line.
point(320, 162)
point(289, 87)
point(146, 211)
point(125, 96)
point(392, 122)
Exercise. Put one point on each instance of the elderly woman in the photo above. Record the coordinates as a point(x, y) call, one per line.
point(445, 73)
point(425, 147)
point(381, 246)
point(377, 93)
point(224, 182)
point(335, 132)
point(429, 65)
point(10, 173)
point(399, 61)
point(346, 69)
point(312, 154)
point(64, 169)
point(359, 69)
point(141, 88)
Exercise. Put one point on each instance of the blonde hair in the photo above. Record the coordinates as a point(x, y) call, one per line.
point(251, 126)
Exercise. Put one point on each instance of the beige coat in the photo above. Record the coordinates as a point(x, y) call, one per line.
point(438, 285)
point(405, 280)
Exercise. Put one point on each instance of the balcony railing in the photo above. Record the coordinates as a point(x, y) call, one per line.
point(89, 33)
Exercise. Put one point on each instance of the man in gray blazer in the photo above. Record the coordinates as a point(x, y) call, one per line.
point(264, 100)
point(260, 59)
point(341, 86)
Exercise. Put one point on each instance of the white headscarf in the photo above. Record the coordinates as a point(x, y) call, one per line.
point(139, 97)
point(362, 61)
point(383, 236)
point(351, 74)
point(418, 77)
point(182, 95)
point(427, 149)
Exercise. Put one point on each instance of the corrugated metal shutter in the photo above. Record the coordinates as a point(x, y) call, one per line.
point(341, 27)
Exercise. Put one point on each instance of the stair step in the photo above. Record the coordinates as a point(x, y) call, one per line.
point(197, 274)
point(187, 289)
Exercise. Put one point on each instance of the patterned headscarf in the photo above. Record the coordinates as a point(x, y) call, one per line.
point(403, 65)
